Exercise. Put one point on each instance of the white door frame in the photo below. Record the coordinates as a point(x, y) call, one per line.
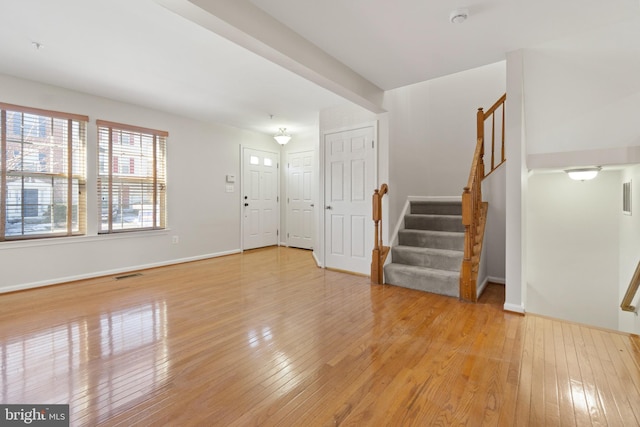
point(320, 233)
point(242, 190)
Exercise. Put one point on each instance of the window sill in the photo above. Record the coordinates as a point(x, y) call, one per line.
point(55, 241)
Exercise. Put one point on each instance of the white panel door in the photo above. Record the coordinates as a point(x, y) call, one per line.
point(300, 205)
point(349, 183)
point(260, 199)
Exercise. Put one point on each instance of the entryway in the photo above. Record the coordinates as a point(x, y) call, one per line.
point(300, 205)
point(260, 198)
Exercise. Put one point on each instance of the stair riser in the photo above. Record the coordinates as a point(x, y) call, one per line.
point(449, 286)
point(436, 208)
point(436, 223)
point(431, 260)
point(415, 238)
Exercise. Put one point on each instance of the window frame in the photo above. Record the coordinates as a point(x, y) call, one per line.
point(74, 150)
point(158, 178)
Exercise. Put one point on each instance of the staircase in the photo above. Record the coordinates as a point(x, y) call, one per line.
point(430, 249)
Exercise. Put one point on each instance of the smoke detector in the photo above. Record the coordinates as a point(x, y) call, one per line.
point(458, 16)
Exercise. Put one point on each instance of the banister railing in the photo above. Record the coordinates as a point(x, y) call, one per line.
point(473, 208)
point(631, 291)
point(380, 252)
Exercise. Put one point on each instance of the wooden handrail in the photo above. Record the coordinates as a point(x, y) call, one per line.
point(631, 291)
point(380, 252)
point(473, 208)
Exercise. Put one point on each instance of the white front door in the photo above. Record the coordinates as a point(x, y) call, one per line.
point(349, 184)
point(260, 198)
point(300, 173)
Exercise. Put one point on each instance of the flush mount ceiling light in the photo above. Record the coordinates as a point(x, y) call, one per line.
point(458, 16)
point(282, 137)
point(583, 174)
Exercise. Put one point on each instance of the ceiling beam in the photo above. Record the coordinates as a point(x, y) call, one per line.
point(250, 27)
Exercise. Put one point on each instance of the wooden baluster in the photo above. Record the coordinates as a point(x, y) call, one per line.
point(503, 157)
point(480, 130)
point(493, 140)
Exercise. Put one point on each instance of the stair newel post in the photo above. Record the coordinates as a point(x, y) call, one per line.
point(375, 256)
point(380, 252)
point(467, 221)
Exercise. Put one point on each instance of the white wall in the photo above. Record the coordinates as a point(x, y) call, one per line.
point(629, 248)
point(432, 131)
point(580, 100)
point(205, 217)
point(573, 247)
point(494, 191)
point(583, 92)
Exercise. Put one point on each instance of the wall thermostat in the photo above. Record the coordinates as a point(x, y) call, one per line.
point(231, 178)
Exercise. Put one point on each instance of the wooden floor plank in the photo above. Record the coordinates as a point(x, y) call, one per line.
point(266, 338)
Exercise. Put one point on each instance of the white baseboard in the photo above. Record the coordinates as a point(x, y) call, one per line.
point(95, 274)
point(498, 280)
point(481, 287)
point(514, 308)
point(315, 258)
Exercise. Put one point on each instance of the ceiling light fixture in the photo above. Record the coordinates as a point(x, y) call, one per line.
point(282, 137)
point(583, 174)
point(458, 16)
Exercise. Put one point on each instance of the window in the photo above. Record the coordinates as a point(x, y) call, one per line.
point(131, 178)
point(42, 173)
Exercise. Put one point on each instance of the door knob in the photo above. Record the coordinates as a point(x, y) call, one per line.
point(329, 207)
point(246, 204)
point(312, 205)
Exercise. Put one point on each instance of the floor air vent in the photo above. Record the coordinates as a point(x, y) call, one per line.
point(128, 276)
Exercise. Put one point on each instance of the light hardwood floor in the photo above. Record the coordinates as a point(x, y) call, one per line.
point(266, 338)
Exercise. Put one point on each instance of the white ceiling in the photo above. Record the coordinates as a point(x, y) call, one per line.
point(140, 52)
point(397, 43)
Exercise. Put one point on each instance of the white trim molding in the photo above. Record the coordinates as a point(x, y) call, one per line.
point(513, 308)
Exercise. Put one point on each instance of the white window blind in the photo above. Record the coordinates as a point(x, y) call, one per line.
point(131, 178)
point(42, 173)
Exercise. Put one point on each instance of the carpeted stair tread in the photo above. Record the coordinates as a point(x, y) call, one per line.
point(431, 239)
point(436, 208)
point(423, 278)
point(434, 222)
point(444, 259)
point(429, 251)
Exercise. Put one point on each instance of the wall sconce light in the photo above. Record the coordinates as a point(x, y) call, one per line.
point(282, 137)
point(583, 174)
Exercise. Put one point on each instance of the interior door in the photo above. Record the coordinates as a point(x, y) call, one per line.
point(260, 198)
point(349, 183)
point(300, 206)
